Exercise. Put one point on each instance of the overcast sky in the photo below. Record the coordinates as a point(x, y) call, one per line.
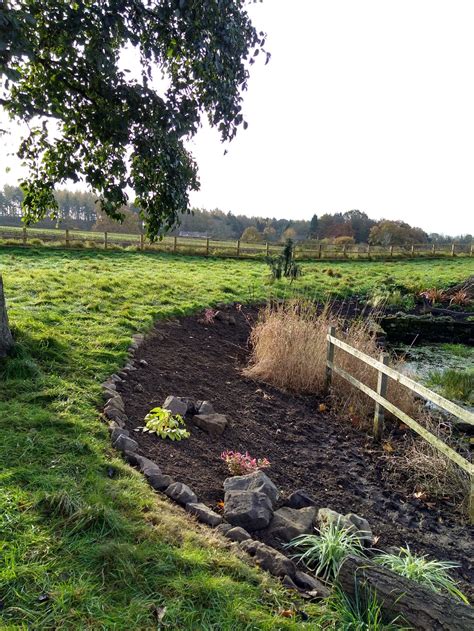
point(365, 104)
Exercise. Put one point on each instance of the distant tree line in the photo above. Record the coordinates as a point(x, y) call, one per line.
point(79, 210)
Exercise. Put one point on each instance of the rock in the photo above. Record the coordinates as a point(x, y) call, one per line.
point(204, 407)
point(124, 443)
point(115, 415)
point(108, 393)
point(116, 402)
point(143, 362)
point(176, 405)
point(288, 583)
point(237, 534)
point(118, 431)
point(204, 513)
point(353, 523)
point(138, 387)
point(269, 559)
point(256, 481)
point(181, 493)
point(251, 510)
point(288, 523)
point(213, 424)
point(299, 499)
point(223, 528)
point(146, 466)
point(231, 320)
point(311, 584)
point(160, 482)
point(362, 528)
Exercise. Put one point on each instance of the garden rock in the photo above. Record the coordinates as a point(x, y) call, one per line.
point(181, 493)
point(116, 402)
point(115, 415)
point(237, 534)
point(289, 523)
point(124, 443)
point(251, 510)
point(269, 559)
point(204, 514)
point(160, 482)
point(118, 431)
point(213, 424)
point(204, 407)
point(352, 522)
point(223, 528)
point(256, 481)
point(176, 405)
point(299, 499)
point(311, 584)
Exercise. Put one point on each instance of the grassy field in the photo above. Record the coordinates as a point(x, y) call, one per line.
point(84, 543)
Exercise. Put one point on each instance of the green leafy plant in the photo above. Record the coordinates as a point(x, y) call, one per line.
point(166, 425)
point(325, 552)
point(418, 568)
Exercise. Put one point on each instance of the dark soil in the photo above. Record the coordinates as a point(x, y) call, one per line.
point(339, 465)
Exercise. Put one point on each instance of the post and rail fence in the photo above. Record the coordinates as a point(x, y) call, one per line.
point(305, 250)
point(385, 372)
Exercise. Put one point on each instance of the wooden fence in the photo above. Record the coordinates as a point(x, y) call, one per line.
point(381, 403)
point(210, 247)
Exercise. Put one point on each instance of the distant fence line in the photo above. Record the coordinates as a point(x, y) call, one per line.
point(74, 239)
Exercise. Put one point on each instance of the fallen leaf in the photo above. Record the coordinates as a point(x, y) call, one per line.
point(322, 407)
point(287, 613)
point(387, 447)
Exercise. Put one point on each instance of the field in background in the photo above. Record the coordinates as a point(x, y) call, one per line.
point(78, 239)
point(86, 544)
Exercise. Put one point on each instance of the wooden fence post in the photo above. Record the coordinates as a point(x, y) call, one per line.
point(175, 244)
point(267, 249)
point(470, 251)
point(433, 249)
point(67, 238)
point(24, 236)
point(319, 250)
point(344, 251)
point(207, 246)
point(412, 250)
point(471, 498)
point(452, 249)
point(142, 242)
point(105, 241)
point(329, 358)
point(379, 414)
point(368, 251)
point(391, 251)
point(238, 247)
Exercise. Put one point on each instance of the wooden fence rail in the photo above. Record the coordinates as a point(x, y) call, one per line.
point(210, 247)
point(379, 396)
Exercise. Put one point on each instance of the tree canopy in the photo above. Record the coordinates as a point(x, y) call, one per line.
point(91, 119)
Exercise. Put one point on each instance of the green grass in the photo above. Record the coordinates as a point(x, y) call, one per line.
point(459, 350)
point(453, 384)
point(84, 543)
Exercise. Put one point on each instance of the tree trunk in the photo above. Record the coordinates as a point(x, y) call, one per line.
point(419, 606)
point(6, 339)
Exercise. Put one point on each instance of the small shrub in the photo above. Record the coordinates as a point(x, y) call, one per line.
point(435, 296)
point(460, 298)
point(454, 384)
point(166, 425)
point(324, 553)
point(208, 316)
point(242, 464)
point(418, 568)
point(284, 266)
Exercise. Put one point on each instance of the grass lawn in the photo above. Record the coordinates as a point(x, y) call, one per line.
point(84, 543)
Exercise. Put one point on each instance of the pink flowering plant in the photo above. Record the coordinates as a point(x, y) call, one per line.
point(241, 464)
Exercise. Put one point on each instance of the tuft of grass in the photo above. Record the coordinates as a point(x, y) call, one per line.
point(325, 552)
point(453, 384)
point(429, 572)
point(459, 350)
point(364, 613)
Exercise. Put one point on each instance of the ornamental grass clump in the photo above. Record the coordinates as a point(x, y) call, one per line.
point(325, 552)
point(418, 568)
point(242, 464)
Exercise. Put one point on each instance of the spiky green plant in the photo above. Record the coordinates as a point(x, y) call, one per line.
point(363, 613)
point(429, 572)
point(325, 552)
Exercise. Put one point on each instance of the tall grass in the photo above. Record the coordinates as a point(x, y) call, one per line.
point(289, 349)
